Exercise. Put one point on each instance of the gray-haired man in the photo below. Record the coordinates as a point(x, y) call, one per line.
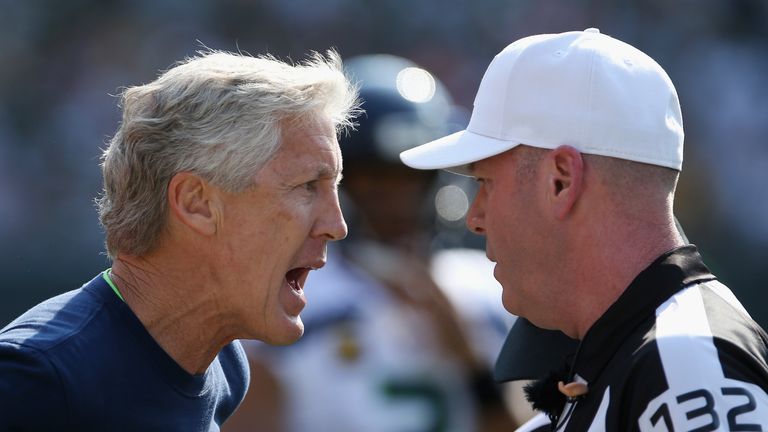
point(220, 194)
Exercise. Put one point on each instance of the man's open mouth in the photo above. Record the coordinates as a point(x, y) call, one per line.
point(296, 277)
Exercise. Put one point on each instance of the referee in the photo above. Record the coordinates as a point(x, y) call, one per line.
point(576, 141)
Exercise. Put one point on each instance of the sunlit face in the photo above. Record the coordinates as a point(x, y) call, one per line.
point(506, 211)
point(274, 233)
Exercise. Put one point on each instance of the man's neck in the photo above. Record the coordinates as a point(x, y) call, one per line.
point(175, 308)
point(613, 265)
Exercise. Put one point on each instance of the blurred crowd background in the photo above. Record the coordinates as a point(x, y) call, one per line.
point(62, 62)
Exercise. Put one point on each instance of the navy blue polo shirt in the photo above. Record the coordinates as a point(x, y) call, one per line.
point(83, 361)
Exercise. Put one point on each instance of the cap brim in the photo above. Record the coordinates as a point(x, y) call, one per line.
point(455, 152)
point(531, 352)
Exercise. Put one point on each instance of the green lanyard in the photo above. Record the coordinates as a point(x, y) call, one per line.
point(106, 274)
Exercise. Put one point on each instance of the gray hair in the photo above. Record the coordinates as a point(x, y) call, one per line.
point(217, 115)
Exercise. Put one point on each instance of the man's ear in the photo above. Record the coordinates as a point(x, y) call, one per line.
point(565, 179)
point(192, 200)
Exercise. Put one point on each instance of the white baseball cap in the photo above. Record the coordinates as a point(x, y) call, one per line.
point(583, 89)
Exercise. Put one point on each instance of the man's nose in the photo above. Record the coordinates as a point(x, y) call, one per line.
point(331, 224)
point(475, 217)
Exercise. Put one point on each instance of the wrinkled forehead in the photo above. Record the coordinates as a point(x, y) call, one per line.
point(309, 146)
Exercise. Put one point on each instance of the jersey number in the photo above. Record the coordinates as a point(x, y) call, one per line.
point(424, 391)
point(708, 409)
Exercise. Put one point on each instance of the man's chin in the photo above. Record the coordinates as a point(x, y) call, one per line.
point(510, 305)
point(289, 333)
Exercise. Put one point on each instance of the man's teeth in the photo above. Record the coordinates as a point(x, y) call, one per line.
point(294, 284)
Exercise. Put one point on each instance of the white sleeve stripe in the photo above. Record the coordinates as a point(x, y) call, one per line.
point(682, 326)
point(726, 294)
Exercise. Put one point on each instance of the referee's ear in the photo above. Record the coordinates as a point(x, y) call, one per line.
point(565, 179)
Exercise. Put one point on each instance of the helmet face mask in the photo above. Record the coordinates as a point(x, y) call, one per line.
point(392, 202)
point(405, 106)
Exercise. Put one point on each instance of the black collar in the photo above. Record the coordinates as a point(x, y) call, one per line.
point(667, 275)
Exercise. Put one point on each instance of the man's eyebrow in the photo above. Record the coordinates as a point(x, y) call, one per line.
point(326, 171)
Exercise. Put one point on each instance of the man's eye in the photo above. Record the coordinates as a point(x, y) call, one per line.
point(310, 185)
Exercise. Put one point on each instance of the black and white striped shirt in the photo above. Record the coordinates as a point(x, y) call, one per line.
point(676, 352)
